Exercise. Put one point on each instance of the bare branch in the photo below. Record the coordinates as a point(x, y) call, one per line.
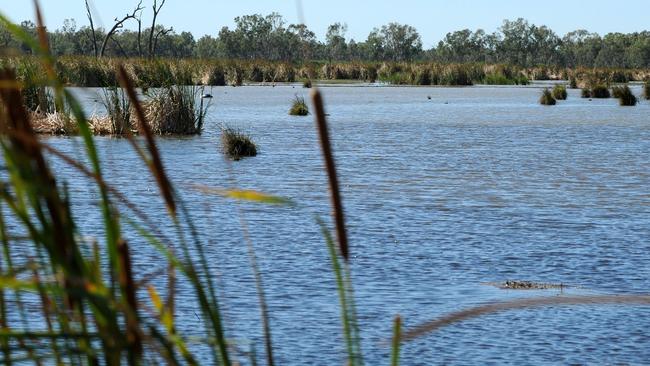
point(162, 32)
point(119, 23)
point(92, 27)
point(156, 10)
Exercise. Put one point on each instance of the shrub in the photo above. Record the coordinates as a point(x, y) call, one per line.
point(237, 144)
point(559, 92)
point(547, 98)
point(626, 97)
point(600, 91)
point(299, 107)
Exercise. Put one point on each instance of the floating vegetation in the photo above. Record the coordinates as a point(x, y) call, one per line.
point(528, 285)
point(559, 92)
point(600, 92)
point(237, 144)
point(626, 97)
point(299, 107)
point(547, 98)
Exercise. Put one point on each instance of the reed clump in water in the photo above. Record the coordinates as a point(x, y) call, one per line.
point(559, 92)
point(617, 91)
point(600, 92)
point(174, 110)
point(299, 107)
point(585, 93)
point(547, 98)
point(118, 108)
point(626, 97)
point(646, 90)
point(237, 144)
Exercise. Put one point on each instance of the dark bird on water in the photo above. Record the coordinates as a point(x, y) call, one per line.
point(207, 96)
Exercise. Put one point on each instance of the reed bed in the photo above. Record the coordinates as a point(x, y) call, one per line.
point(174, 111)
point(93, 72)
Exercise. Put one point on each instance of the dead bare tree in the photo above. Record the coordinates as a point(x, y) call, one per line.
point(161, 32)
point(92, 27)
point(139, 20)
point(156, 10)
point(119, 23)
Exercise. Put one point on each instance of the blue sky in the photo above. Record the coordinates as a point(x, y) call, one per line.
point(432, 18)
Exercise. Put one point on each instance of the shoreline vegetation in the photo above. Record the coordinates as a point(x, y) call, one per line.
point(146, 73)
point(171, 89)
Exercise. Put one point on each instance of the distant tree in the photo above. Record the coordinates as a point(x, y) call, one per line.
point(580, 48)
point(336, 45)
point(401, 42)
point(207, 47)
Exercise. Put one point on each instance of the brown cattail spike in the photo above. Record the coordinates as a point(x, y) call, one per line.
point(337, 204)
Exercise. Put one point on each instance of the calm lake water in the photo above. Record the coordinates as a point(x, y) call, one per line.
point(442, 196)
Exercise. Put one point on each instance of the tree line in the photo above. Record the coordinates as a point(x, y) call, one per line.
point(269, 37)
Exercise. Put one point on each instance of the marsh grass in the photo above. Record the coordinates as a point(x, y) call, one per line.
point(299, 107)
point(617, 91)
point(547, 98)
point(625, 96)
point(174, 110)
point(600, 92)
point(81, 303)
point(118, 108)
point(559, 92)
point(237, 144)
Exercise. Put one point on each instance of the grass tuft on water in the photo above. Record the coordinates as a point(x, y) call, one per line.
point(625, 96)
point(600, 92)
point(547, 98)
point(559, 92)
point(299, 107)
point(237, 144)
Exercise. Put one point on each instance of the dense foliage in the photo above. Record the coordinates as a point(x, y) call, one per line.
point(269, 37)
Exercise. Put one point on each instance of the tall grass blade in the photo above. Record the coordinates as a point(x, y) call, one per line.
point(155, 165)
point(397, 336)
point(428, 327)
point(330, 166)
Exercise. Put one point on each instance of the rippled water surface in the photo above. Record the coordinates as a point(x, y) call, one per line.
point(475, 185)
